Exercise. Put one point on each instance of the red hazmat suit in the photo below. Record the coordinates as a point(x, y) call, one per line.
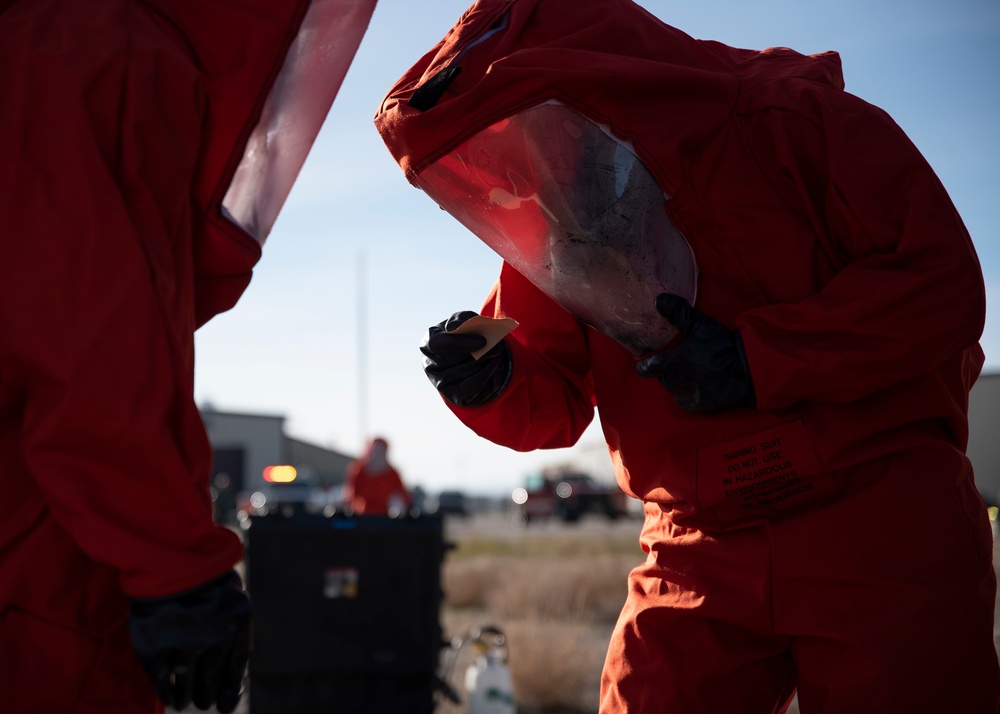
point(832, 538)
point(373, 486)
point(123, 126)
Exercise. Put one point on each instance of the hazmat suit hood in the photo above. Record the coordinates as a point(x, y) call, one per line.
point(376, 459)
point(647, 95)
point(270, 71)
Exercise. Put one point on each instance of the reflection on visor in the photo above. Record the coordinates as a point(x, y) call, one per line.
point(575, 211)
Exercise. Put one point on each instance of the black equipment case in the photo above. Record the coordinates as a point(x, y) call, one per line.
point(346, 614)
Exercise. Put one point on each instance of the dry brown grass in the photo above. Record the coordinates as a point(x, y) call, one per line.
point(555, 593)
point(588, 589)
point(556, 597)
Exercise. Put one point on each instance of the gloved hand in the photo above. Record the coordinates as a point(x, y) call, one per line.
point(708, 370)
point(194, 646)
point(449, 365)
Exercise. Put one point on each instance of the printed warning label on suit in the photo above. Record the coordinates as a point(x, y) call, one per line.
point(772, 470)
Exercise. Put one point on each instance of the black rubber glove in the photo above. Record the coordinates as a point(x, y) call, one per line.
point(449, 365)
point(708, 370)
point(195, 645)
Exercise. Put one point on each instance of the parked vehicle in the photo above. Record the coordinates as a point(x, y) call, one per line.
point(448, 503)
point(566, 494)
point(286, 499)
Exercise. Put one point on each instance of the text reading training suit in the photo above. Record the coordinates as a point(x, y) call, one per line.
point(817, 529)
point(128, 220)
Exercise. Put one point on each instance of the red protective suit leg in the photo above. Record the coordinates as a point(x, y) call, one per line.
point(861, 605)
point(695, 635)
point(889, 596)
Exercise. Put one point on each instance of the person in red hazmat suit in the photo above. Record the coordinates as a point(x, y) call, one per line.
point(767, 294)
point(373, 486)
point(147, 150)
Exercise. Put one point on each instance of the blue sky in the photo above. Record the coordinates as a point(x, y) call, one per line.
point(359, 263)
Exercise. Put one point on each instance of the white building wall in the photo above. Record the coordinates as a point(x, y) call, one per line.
point(984, 435)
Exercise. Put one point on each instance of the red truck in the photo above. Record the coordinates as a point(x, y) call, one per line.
point(567, 494)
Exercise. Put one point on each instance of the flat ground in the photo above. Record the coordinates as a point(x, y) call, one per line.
point(478, 576)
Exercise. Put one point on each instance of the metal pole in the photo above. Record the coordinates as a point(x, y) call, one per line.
point(362, 350)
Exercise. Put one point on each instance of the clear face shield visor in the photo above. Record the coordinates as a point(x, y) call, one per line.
point(573, 210)
point(294, 111)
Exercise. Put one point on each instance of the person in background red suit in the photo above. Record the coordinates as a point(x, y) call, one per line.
point(137, 189)
point(373, 486)
point(786, 392)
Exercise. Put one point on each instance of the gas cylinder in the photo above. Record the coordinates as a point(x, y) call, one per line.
point(488, 683)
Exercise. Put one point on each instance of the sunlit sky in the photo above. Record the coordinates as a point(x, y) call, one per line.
point(360, 263)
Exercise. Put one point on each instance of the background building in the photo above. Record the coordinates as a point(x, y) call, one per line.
point(244, 446)
point(984, 435)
